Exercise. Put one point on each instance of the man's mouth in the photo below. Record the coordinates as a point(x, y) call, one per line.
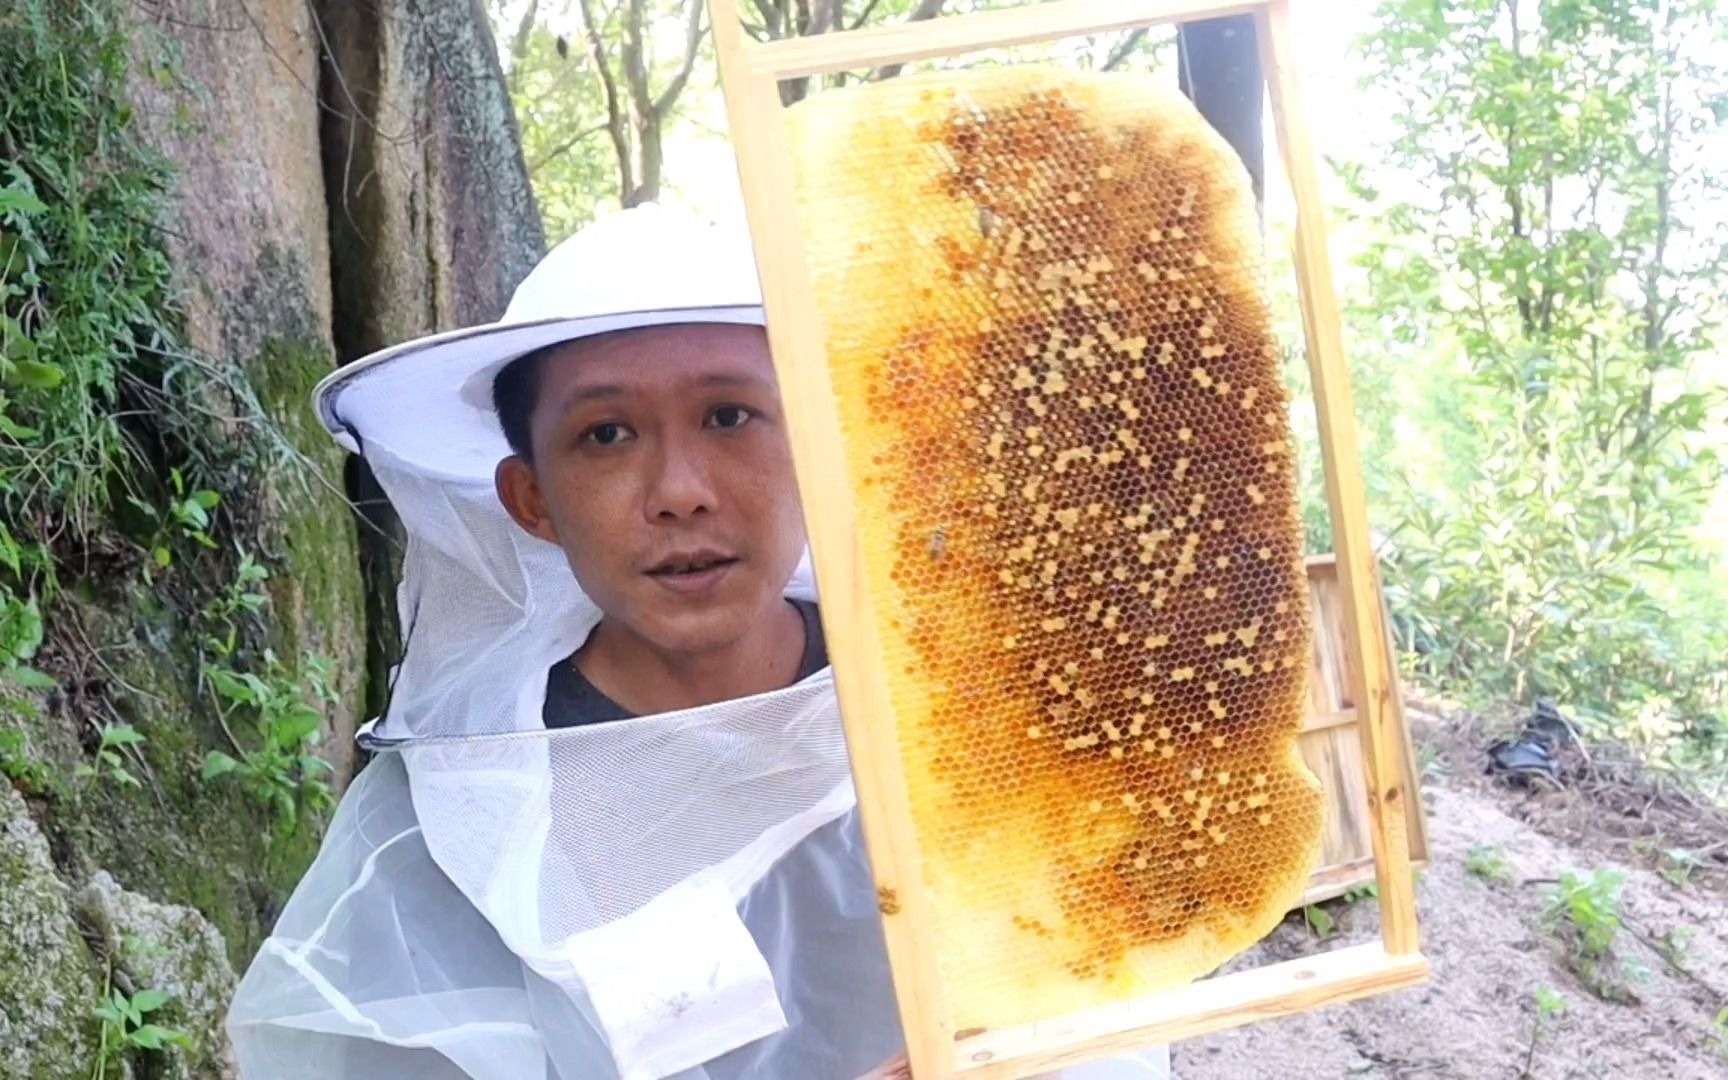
point(694, 573)
point(693, 563)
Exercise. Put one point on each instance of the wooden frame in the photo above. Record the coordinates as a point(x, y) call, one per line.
point(1331, 745)
point(750, 74)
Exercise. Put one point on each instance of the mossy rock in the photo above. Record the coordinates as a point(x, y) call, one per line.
point(175, 950)
point(49, 980)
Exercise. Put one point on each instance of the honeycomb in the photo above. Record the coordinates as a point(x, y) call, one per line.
point(1067, 439)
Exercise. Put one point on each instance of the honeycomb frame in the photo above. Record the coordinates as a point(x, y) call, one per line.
point(1067, 437)
point(861, 638)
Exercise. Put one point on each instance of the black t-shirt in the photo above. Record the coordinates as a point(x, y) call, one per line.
point(571, 700)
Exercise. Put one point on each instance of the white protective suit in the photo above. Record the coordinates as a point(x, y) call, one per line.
point(682, 895)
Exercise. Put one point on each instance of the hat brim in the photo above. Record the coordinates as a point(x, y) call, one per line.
point(429, 401)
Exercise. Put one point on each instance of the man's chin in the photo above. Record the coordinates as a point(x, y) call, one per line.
point(695, 628)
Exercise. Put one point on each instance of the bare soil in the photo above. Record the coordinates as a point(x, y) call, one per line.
point(1492, 946)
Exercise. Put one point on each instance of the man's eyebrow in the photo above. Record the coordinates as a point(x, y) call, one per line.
point(602, 391)
point(595, 392)
point(731, 378)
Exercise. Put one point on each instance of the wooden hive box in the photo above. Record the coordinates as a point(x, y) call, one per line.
point(1331, 744)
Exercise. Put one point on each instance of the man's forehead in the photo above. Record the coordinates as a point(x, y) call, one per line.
point(663, 356)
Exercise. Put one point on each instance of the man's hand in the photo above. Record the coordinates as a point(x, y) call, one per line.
point(894, 1069)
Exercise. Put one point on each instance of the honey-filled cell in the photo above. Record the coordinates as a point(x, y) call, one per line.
point(1067, 441)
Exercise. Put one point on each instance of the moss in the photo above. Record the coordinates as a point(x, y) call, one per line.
point(316, 592)
point(177, 838)
point(48, 978)
point(169, 948)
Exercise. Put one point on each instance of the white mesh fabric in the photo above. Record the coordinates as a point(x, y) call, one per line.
point(557, 832)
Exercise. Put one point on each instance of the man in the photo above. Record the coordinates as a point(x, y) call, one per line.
point(617, 838)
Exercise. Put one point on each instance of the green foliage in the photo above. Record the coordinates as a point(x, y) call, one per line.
point(1319, 921)
point(560, 113)
point(665, 138)
point(123, 455)
point(110, 765)
point(1672, 943)
point(1548, 285)
point(1549, 1004)
point(239, 599)
point(1678, 865)
point(83, 281)
point(1586, 911)
point(127, 1026)
point(186, 516)
point(1719, 1035)
point(1488, 862)
point(1362, 892)
point(276, 764)
point(20, 767)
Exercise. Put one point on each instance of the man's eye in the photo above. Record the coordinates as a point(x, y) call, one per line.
point(729, 416)
point(608, 434)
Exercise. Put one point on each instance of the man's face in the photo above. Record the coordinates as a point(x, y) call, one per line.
point(662, 469)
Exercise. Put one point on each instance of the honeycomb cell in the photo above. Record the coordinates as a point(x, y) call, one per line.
point(1066, 435)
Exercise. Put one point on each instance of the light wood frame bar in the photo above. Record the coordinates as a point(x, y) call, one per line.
point(751, 73)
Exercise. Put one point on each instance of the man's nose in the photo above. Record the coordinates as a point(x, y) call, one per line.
point(680, 485)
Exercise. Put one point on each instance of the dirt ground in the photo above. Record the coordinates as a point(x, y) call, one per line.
point(1491, 951)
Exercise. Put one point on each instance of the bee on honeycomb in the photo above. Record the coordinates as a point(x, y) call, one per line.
point(1067, 437)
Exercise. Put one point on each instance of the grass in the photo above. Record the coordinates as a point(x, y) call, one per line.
point(1487, 862)
point(1585, 910)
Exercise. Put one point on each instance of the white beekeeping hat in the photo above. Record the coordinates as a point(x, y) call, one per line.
point(610, 858)
point(430, 400)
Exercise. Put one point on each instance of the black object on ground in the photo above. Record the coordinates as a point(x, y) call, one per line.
point(1534, 754)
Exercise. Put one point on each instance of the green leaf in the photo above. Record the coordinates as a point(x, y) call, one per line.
point(121, 735)
point(190, 512)
point(150, 1000)
point(149, 1036)
point(20, 629)
point(13, 429)
point(216, 763)
point(162, 556)
point(9, 551)
point(1319, 921)
point(296, 725)
point(231, 686)
point(36, 375)
point(206, 499)
point(15, 200)
point(31, 679)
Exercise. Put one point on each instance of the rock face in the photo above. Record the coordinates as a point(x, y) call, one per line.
point(248, 237)
point(432, 219)
point(48, 977)
point(342, 175)
point(172, 949)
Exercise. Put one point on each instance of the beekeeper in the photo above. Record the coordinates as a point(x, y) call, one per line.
point(609, 831)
